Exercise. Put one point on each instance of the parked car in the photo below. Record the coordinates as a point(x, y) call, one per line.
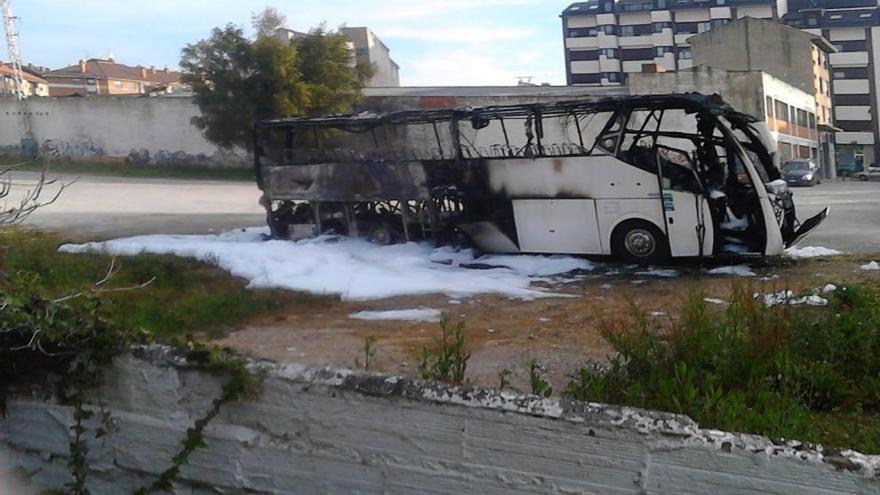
point(871, 173)
point(801, 173)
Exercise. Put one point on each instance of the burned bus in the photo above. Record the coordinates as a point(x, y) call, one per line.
point(640, 178)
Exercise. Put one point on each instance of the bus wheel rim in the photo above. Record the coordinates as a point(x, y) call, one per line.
point(640, 243)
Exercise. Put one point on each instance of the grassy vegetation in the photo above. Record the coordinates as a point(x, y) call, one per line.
point(188, 297)
point(803, 373)
point(85, 167)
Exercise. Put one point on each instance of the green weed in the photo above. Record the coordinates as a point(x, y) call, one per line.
point(806, 373)
point(449, 363)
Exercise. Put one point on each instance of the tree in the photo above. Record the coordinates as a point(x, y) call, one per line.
point(330, 72)
point(267, 22)
point(238, 81)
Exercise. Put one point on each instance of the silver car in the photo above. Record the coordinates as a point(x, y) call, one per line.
point(871, 173)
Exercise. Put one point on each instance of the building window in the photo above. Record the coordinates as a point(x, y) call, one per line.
point(577, 55)
point(659, 51)
point(586, 79)
point(684, 54)
point(612, 76)
point(812, 21)
point(609, 29)
point(632, 54)
point(660, 26)
point(627, 31)
point(610, 52)
point(768, 107)
point(718, 22)
point(702, 27)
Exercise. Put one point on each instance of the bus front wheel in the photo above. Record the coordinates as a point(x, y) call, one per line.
point(639, 241)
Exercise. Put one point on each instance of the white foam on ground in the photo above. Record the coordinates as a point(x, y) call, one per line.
point(713, 300)
point(810, 252)
point(421, 314)
point(353, 269)
point(871, 266)
point(659, 272)
point(738, 270)
point(788, 297)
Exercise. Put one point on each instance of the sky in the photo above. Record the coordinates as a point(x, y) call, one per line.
point(440, 42)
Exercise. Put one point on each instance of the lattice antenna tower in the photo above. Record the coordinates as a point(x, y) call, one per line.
point(12, 48)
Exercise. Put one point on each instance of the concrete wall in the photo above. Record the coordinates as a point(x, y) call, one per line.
point(325, 431)
point(159, 130)
point(743, 91)
point(144, 130)
point(743, 45)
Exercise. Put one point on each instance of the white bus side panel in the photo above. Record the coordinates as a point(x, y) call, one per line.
point(591, 177)
point(557, 226)
point(612, 212)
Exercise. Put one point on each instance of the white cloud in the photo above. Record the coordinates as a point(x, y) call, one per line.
point(459, 68)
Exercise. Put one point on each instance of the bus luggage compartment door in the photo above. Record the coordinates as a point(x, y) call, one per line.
point(566, 226)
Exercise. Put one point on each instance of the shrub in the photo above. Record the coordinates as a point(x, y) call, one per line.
point(783, 371)
point(449, 363)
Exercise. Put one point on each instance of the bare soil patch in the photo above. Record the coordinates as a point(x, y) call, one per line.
point(562, 333)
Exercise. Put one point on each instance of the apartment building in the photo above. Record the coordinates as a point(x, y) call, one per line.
point(370, 50)
point(853, 26)
point(106, 77)
point(607, 40)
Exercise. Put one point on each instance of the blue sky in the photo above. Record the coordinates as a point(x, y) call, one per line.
point(441, 42)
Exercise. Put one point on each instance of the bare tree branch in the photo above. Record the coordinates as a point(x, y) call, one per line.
point(31, 200)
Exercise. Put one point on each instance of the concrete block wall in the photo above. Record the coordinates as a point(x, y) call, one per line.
point(144, 130)
point(333, 431)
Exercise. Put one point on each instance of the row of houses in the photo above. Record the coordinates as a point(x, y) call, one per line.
point(92, 77)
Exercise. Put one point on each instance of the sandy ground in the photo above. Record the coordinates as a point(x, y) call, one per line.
point(561, 333)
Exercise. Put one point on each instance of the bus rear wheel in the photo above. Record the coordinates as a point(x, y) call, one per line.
point(639, 241)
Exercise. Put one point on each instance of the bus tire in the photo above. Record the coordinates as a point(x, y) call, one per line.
point(639, 241)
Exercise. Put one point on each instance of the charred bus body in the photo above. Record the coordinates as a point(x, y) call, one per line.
point(641, 178)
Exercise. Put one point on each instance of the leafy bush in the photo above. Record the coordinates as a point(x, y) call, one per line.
point(449, 363)
point(806, 373)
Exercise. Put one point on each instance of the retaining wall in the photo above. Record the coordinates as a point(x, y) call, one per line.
point(326, 431)
point(137, 129)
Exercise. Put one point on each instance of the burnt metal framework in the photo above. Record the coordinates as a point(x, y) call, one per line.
point(454, 189)
point(477, 117)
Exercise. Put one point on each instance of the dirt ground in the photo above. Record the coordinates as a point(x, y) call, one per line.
point(562, 333)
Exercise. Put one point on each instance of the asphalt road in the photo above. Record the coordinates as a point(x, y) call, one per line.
point(853, 225)
point(105, 207)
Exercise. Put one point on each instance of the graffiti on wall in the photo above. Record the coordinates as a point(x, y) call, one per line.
point(220, 158)
point(85, 149)
point(80, 148)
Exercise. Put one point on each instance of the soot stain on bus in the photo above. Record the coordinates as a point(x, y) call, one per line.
point(641, 178)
